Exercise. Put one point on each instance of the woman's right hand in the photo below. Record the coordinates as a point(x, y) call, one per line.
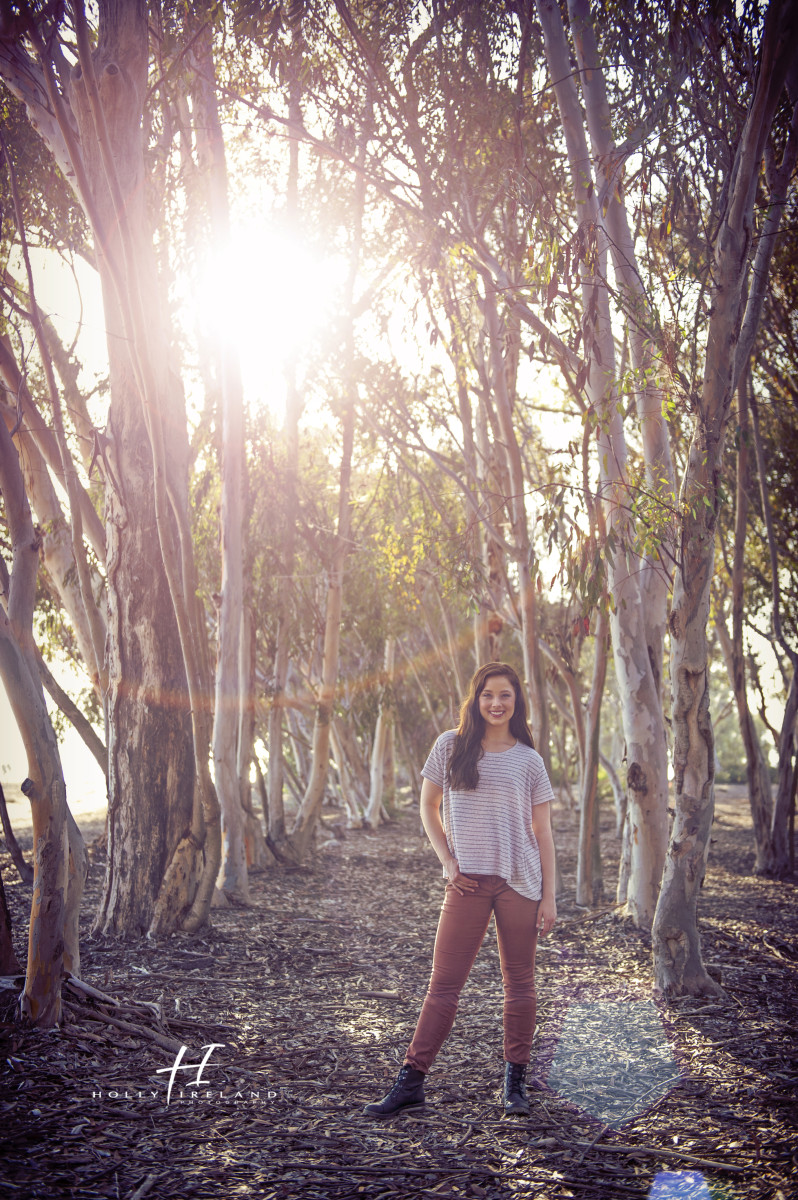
point(460, 883)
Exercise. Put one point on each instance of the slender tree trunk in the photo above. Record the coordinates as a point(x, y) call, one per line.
point(9, 963)
point(451, 643)
point(389, 769)
point(308, 815)
point(783, 809)
point(258, 855)
point(379, 753)
point(285, 585)
point(589, 884)
point(52, 945)
point(310, 809)
point(57, 548)
point(654, 583)
point(37, 435)
point(213, 168)
point(677, 951)
point(285, 595)
point(758, 775)
point(352, 801)
point(577, 715)
point(411, 767)
point(638, 684)
point(533, 667)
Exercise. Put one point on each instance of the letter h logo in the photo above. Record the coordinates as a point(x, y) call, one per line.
point(187, 1067)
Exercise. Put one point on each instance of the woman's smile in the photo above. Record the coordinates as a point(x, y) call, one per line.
point(497, 701)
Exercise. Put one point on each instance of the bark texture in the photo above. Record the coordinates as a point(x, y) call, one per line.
point(151, 770)
point(52, 931)
point(677, 955)
point(638, 680)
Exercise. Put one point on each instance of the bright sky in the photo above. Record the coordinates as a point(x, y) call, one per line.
point(84, 779)
point(268, 295)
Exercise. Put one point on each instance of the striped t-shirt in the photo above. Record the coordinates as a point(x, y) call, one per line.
point(489, 830)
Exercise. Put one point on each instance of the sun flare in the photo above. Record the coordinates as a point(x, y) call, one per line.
point(268, 294)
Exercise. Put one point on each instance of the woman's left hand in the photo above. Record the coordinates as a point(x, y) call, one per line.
point(547, 915)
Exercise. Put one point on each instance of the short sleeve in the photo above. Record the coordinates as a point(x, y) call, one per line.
point(434, 768)
point(541, 788)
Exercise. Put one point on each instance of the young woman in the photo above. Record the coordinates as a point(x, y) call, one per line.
point(497, 851)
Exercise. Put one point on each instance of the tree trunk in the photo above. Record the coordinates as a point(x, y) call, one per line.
point(107, 90)
point(784, 807)
point(37, 434)
point(57, 549)
point(412, 770)
point(213, 170)
point(379, 753)
point(589, 884)
point(258, 855)
point(389, 770)
point(355, 759)
point(9, 963)
point(353, 801)
point(641, 323)
point(308, 815)
point(758, 775)
point(150, 760)
point(285, 595)
point(638, 685)
point(294, 404)
point(53, 921)
point(760, 795)
point(533, 666)
point(677, 950)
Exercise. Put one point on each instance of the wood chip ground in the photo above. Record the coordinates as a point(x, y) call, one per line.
point(311, 996)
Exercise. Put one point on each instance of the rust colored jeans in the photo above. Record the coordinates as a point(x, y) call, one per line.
point(461, 929)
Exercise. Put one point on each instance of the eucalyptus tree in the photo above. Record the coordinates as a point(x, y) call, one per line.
point(735, 308)
point(432, 112)
point(770, 562)
point(204, 147)
point(60, 859)
point(87, 109)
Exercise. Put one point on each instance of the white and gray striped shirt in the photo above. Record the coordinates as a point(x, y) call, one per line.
point(489, 830)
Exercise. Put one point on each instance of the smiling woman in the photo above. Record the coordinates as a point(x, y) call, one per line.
point(485, 807)
point(267, 294)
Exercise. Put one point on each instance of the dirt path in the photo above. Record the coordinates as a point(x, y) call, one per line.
point(311, 997)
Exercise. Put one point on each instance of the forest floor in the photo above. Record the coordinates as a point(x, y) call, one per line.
point(311, 996)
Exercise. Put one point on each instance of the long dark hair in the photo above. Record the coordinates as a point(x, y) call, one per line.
point(467, 750)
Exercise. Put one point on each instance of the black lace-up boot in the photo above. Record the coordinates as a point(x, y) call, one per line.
point(406, 1093)
point(515, 1097)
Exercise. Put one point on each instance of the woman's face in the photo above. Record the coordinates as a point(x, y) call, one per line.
point(497, 702)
